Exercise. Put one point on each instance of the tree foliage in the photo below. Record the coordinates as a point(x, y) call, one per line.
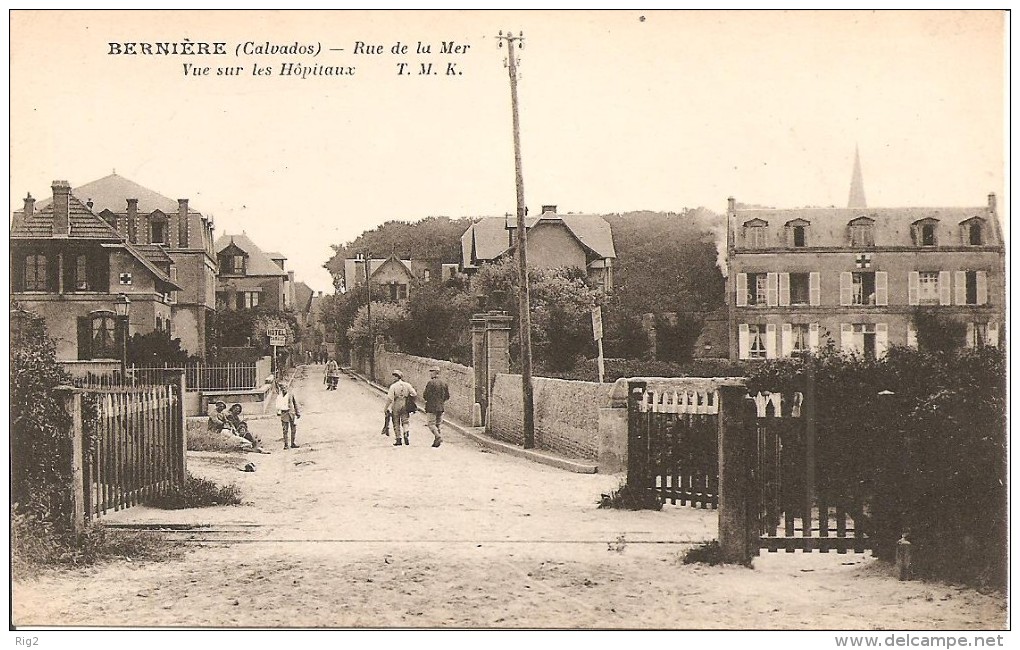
point(248, 327)
point(156, 349)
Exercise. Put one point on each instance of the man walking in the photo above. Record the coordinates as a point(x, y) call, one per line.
point(436, 393)
point(287, 409)
point(396, 403)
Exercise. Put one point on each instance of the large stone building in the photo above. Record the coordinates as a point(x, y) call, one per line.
point(71, 266)
point(248, 277)
point(858, 275)
point(555, 240)
point(170, 233)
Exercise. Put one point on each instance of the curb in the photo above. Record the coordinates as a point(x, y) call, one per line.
point(477, 434)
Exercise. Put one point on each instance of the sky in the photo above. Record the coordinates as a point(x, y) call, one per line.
point(619, 111)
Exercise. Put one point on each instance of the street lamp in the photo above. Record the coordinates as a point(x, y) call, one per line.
point(123, 309)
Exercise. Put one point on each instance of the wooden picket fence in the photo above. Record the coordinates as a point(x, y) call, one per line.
point(140, 447)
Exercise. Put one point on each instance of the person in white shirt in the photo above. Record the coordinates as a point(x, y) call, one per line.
point(287, 409)
point(397, 398)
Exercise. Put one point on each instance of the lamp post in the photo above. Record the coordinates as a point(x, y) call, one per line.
point(123, 309)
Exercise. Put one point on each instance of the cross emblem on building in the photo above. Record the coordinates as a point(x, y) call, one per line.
point(864, 261)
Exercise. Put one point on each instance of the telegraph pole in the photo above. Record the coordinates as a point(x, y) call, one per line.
point(522, 250)
point(371, 337)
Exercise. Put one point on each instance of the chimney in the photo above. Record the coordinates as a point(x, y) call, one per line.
point(320, 294)
point(731, 204)
point(182, 223)
point(29, 205)
point(547, 209)
point(132, 219)
point(61, 208)
point(991, 202)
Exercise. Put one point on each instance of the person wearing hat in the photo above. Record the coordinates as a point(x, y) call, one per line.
point(217, 417)
point(436, 393)
point(397, 399)
point(287, 409)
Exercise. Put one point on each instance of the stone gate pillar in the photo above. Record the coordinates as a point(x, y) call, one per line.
point(497, 349)
point(480, 365)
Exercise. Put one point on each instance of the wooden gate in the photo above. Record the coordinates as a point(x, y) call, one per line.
point(673, 448)
point(140, 447)
point(796, 511)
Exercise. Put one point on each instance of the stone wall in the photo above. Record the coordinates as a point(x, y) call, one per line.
point(566, 414)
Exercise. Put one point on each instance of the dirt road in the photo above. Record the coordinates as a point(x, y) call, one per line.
point(349, 531)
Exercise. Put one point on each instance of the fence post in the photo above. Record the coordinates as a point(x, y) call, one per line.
point(737, 529)
point(72, 403)
point(637, 438)
point(180, 424)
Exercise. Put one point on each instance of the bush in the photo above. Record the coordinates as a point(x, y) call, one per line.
point(198, 493)
point(708, 553)
point(627, 498)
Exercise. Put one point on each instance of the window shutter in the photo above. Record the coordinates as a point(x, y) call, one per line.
point(784, 289)
point(84, 338)
point(741, 290)
point(982, 288)
point(813, 336)
point(881, 339)
point(913, 287)
point(846, 288)
point(772, 289)
point(911, 335)
point(787, 340)
point(970, 343)
point(239, 296)
point(743, 341)
point(815, 288)
point(770, 341)
point(846, 337)
point(993, 334)
point(882, 288)
point(961, 287)
point(945, 295)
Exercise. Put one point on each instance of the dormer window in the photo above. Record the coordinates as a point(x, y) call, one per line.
point(237, 264)
point(756, 233)
point(797, 233)
point(972, 232)
point(862, 232)
point(925, 232)
point(157, 228)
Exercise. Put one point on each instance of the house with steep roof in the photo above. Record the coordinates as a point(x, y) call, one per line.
point(247, 277)
point(394, 278)
point(555, 240)
point(70, 266)
point(169, 232)
point(857, 276)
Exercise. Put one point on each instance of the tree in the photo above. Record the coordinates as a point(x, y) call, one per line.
point(385, 317)
point(937, 332)
point(436, 324)
point(156, 349)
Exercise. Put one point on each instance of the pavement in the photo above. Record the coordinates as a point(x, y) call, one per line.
point(350, 531)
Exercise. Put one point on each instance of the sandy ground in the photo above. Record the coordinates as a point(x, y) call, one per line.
point(349, 531)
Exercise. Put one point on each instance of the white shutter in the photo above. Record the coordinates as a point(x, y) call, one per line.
point(787, 340)
point(741, 290)
point(961, 287)
point(881, 339)
point(993, 334)
point(815, 288)
point(911, 335)
point(772, 289)
point(913, 287)
point(970, 335)
point(770, 341)
point(743, 341)
point(846, 288)
point(846, 337)
point(882, 288)
point(813, 336)
point(945, 294)
point(982, 288)
point(784, 289)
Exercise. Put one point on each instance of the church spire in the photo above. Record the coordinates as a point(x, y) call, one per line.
point(857, 199)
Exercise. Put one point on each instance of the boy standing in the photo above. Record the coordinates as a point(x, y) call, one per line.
point(287, 409)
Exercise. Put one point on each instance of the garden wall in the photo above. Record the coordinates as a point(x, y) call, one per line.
point(416, 371)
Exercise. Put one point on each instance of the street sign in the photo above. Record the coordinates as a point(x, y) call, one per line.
point(277, 336)
point(596, 322)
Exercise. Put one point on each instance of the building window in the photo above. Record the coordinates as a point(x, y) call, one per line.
point(397, 291)
point(800, 288)
point(756, 236)
point(971, 287)
point(928, 234)
point(977, 335)
point(427, 275)
point(756, 342)
point(928, 288)
point(974, 234)
point(81, 273)
point(103, 338)
point(799, 236)
point(799, 339)
point(862, 232)
point(35, 273)
point(865, 341)
point(757, 289)
point(237, 264)
point(158, 231)
point(864, 288)
point(248, 299)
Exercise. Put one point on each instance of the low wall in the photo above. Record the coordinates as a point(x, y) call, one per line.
point(566, 414)
point(460, 379)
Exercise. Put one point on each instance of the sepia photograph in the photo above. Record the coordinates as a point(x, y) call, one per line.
point(672, 320)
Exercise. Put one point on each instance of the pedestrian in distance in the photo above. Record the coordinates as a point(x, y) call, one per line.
point(289, 411)
point(399, 401)
point(436, 394)
point(332, 374)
